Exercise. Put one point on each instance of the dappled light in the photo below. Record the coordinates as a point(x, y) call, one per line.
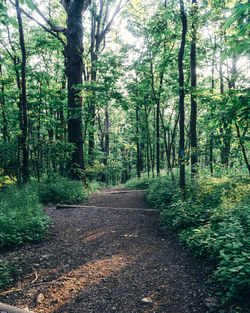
point(124, 129)
point(64, 289)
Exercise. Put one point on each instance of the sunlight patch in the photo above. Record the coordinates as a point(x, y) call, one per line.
point(64, 289)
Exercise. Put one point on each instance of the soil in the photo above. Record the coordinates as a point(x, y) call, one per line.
point(101, 259)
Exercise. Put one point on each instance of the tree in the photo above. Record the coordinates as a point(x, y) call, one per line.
point(182, 96)
point(193, 114)
point(100, 26)
point(74, 69)
point(23, 100)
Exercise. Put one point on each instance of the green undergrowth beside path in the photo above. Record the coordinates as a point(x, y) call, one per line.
point(211, 219)
point(22, 218)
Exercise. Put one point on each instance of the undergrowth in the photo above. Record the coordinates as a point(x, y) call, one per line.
point(212, 219)
point(135, 183)
point(57, 189)
point(22, 219)
point(7, 271)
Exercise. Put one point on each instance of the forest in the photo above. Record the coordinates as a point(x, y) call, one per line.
point(150, 94)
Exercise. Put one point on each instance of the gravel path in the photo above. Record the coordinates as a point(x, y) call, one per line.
point(98, 259)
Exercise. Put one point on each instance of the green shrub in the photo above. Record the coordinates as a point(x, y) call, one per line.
point(21, 216)
point(212, 219)
point(7, 272)
point(56, 189)
point(160, 192)
point(135, 183)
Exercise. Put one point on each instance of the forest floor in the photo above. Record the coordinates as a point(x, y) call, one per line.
point(109, 255)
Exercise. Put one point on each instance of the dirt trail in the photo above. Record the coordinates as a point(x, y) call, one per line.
point(98, 259)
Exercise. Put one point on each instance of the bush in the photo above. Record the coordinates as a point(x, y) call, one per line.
point(212, 219)
point(21, 216)
point(161, 192)
point(56, 189)
point(7, 272)
point(136, 183)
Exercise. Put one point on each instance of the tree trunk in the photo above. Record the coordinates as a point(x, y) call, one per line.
point(182, 96)
point(74, 68)
point(138, 150)
point(242, 146)
point(167, 149)
point(211, 140)
point(23, 113)
point(2, 102)
point(193, 114)
point(225, 130)
point(93, 75)
point(158, 136)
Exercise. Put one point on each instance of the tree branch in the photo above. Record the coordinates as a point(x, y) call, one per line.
point(53, 27)
point(40, 24)
point(104, 32)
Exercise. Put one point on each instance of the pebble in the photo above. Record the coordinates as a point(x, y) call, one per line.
point(40, 298)
point(146, 300)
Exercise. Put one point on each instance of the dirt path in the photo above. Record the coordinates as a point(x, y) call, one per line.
point(98, 259)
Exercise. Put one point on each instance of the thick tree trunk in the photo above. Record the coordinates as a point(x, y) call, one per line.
point(181, 97)
point(193, 114)
point(74, 68)
point(23, 113)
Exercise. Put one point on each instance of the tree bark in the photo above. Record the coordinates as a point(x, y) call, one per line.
point(106, 138)
point(225, 129)
point(138, 150)
point(211, 140)
point(74, 69)
point(193, 114)
point(181, 97)
point(242, 146)
point(2, 102)
point(158, 136)
point(23, 113)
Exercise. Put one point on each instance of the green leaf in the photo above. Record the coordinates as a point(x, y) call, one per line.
point(13, 22)
point(230, 21)
point(30, 4)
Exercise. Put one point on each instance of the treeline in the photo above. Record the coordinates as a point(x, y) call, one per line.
point(79, 100)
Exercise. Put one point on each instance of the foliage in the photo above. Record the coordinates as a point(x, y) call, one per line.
point(212, 219)
point(21, 216)
point(7, 272)
point(140, 184)
point(161, 192)
point(57, 189)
